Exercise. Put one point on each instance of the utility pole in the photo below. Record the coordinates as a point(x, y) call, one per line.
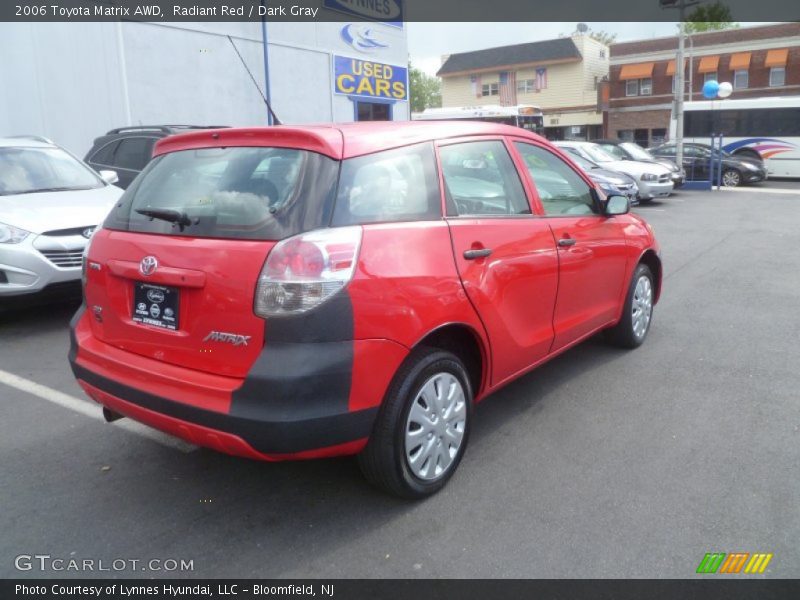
point(680, 92)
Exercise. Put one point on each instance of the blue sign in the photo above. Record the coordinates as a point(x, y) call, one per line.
point(368, 79)
point(363, 37)
point(386, 11)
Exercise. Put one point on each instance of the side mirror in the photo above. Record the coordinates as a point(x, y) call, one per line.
point(109, 176)
point(617, 205)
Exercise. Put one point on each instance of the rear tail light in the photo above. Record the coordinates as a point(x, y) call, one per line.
point(303, 271)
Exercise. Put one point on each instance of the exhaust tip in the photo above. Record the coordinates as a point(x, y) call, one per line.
point(110, 416)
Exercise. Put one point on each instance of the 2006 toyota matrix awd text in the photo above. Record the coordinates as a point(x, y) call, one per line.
point(300, 292)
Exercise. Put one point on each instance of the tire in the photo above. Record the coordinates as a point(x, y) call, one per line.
point(731, 178)
point(388, 459)
point(637, 314)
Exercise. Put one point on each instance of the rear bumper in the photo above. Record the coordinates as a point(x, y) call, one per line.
point(653, 189)
point(202, 408)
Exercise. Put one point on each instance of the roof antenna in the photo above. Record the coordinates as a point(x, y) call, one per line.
point(275, 118)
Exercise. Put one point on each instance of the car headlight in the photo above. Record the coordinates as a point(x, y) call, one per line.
point(649, 177)
point(12, 235)
point(751, 167)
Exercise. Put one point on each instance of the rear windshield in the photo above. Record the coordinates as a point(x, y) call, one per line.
point(243, 193)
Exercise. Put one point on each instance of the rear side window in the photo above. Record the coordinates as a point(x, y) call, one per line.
point(133, 153)
point(241, 193)
point(105, 155)
point(395, 185)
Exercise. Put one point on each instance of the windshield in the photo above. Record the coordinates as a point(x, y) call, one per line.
point(31, 170)
point(597, 154)
point(584, 164)
point(636, 151)
point(241, 193)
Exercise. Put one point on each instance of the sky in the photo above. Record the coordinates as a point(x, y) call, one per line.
point(428, 41)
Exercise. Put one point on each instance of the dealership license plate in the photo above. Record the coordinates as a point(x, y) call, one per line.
point(155, 305)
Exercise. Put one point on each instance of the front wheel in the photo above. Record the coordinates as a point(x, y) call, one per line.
point(422, 429)
point(637, 314)
point(731, 178)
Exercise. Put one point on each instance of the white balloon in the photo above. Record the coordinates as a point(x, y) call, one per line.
point(725, 90)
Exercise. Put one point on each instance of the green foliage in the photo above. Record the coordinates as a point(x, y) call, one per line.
point(713, 17)
point(425, 92)
point(603, 37)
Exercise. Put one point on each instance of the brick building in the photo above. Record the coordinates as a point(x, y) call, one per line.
point(560, 76)
point(757, 61)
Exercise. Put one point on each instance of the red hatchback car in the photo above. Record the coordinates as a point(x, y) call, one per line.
point(299, 292)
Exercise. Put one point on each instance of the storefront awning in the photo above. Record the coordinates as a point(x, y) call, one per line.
point(708, 64)
point(777, 58)
point(637, 71)
point(740, 61)
point(671, 67)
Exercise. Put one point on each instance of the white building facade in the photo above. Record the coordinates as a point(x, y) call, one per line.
point(72, 82)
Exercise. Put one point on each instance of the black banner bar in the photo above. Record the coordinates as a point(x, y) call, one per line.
point(712, 588)
point(382, 10)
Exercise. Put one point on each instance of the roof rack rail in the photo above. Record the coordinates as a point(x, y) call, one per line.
point(162, 128)
point(36, 138)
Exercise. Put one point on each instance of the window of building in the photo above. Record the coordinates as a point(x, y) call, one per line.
point(625, 134)
point(373, 111)
point(658, 137)
point(526, 86)
point(645, 87)
point(777, 76)
point(741, 79)
point(632, 87)
point(602, 52)
point(710, 77)
point(490, 89)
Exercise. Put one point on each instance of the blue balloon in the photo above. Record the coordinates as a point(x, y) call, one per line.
point(711, 89)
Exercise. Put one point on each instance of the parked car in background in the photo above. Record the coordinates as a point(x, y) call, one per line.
point(697, 162)
point(654, 180)
point(622, 150)
point(299, 292)
point(128, 149)
point(611, 182)
point(50, 203)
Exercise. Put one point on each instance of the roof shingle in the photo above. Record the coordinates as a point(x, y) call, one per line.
point(532, 52)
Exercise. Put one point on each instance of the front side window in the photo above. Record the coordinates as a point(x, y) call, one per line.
point(741, 79)
point(645, 86)
point(481, 179)
point(30, 170)
point(561, 190)
point(632, 87)
point(395, 185)
point(235, 193)
point(777, 76)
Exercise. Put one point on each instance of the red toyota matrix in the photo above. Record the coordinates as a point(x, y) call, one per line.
point(298, 292)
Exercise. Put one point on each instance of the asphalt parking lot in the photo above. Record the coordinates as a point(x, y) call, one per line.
point(602, 463)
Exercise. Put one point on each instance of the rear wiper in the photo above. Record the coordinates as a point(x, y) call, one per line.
point(167, 214)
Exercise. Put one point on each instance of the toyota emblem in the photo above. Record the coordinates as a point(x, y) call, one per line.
point(148, 265)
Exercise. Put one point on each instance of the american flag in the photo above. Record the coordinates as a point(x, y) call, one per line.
point(508, 88)
point(541, 79)
point(475, 80)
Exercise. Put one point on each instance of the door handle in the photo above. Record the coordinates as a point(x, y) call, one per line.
point(567, 242)
point(479, 253)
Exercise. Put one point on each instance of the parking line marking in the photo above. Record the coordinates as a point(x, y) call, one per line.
point(89, 410)
point(764, 190)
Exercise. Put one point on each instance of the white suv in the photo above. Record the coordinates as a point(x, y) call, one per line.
point(50, 203)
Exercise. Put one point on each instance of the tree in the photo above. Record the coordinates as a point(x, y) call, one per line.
point(713, 17)
point(425, 92)
point(603, 37)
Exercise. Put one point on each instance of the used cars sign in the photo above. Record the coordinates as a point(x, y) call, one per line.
point(356, 77)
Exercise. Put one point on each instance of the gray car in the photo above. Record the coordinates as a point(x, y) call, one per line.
point(50, 203)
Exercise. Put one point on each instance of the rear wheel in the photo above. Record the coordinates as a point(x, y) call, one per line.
point(422, 428)
point(637, 313)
